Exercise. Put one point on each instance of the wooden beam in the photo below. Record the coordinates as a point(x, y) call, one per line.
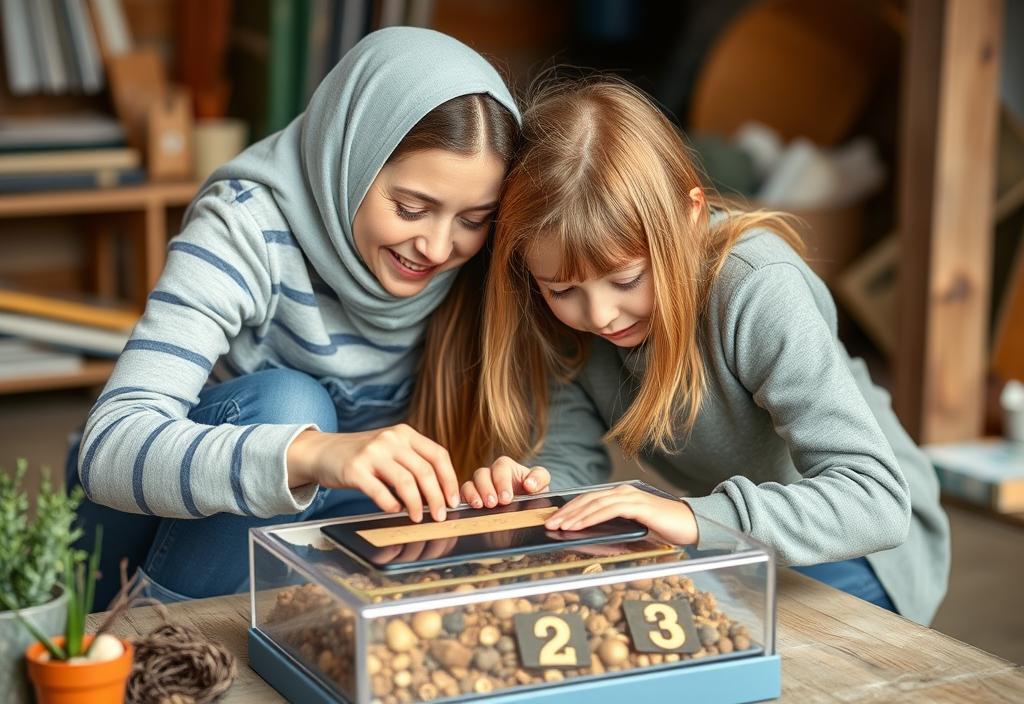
point(951, 100)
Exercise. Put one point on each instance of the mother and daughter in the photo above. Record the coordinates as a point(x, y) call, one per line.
point(411, 282)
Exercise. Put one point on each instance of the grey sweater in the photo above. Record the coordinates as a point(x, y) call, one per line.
point(794, 444)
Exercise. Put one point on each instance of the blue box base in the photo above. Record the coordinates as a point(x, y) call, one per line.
point(739, 681)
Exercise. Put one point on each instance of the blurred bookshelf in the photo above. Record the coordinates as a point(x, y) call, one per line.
point(152, 208)
point(93, 372)
point(96, 170)
point(91, 92)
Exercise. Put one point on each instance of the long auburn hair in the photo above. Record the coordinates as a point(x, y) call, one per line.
point(444, 400)
point(605, 177)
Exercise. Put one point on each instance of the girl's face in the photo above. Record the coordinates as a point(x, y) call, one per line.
point(425, 213)
point(617, 306)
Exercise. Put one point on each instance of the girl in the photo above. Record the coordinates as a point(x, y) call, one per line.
point(271, 374)
point(698, 338)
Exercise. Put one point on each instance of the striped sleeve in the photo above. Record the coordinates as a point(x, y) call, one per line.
point(139, 452)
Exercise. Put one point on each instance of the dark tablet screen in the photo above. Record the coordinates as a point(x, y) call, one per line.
point(470, 534)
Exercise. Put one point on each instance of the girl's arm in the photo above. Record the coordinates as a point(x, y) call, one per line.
point(573, 454)
point(573, 449)
point(853, 499)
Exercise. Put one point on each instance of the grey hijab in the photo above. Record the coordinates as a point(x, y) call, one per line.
point(319, 168)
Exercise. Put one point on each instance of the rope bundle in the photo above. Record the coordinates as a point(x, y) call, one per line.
point(175, 664)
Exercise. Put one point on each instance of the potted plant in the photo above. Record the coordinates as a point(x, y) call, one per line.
point(47, 586)
point(33, 542)
point(76, 667)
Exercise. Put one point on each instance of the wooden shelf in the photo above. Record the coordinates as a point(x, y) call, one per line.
point(93, 373)
point(148, 204)
point(101, 200)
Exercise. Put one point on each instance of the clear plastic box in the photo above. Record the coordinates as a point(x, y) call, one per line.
point(509, 624)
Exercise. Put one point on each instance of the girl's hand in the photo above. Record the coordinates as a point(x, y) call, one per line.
point(673, 520)
point(501, 481)
point(384, 464)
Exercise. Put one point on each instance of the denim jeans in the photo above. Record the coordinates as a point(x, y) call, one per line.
point(853, 577)
point(196, 558)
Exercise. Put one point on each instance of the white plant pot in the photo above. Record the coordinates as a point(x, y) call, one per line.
point(49, 618)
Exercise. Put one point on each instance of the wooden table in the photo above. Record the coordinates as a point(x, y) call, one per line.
point(834, 648)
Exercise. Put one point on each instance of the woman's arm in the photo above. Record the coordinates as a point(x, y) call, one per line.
point(140, 453)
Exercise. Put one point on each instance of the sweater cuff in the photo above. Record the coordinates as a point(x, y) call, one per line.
point(715, 507)
point(271, 494)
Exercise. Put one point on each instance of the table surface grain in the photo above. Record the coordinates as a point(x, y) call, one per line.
point(834, 648)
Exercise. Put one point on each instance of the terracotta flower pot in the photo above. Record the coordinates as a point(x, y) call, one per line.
point(59, 682)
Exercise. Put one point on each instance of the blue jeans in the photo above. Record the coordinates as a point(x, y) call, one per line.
point(853, 577)
point(196, 558)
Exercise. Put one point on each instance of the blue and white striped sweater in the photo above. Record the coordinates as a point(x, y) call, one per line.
point(237, 295)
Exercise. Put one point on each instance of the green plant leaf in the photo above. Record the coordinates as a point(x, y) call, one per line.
point(94, 568)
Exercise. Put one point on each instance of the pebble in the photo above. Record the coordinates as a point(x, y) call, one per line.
point(427, 624)
point(373, 665)
point(553, 676)
point(487, 659)
point(428, 691)
point(506, 644)
point(504, 609)
point(613, 652)
point(593, 598)
point(489, 635)
point(708, 634)
point(454, 622)
point(381, 686)
point(400, 637)
point(483, 686)
point(445, 682)
point(403, 678)
point(554, 602)
point(597, 624)
point(451, 653)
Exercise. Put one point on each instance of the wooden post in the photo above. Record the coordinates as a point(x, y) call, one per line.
point(150, 249)
point(951, 100)
point(102, 248)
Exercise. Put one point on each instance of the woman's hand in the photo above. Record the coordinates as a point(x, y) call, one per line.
point(497, 484)
point(384, 464)
point(673, 520)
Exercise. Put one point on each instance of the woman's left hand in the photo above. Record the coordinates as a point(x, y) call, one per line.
point(671, 519)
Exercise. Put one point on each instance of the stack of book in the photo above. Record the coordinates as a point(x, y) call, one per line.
point(56, 46)
point(988, 473)
point(69, 152)
point(48, 335)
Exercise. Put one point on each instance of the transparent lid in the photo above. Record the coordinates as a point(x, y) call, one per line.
point(308, 550)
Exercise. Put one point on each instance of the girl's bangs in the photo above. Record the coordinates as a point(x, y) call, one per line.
point(591, 240)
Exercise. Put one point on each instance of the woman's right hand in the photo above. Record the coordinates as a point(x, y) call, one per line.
point(384, 464)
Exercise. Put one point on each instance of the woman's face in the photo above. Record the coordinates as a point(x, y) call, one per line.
point(425, 213)
point(617, 306)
